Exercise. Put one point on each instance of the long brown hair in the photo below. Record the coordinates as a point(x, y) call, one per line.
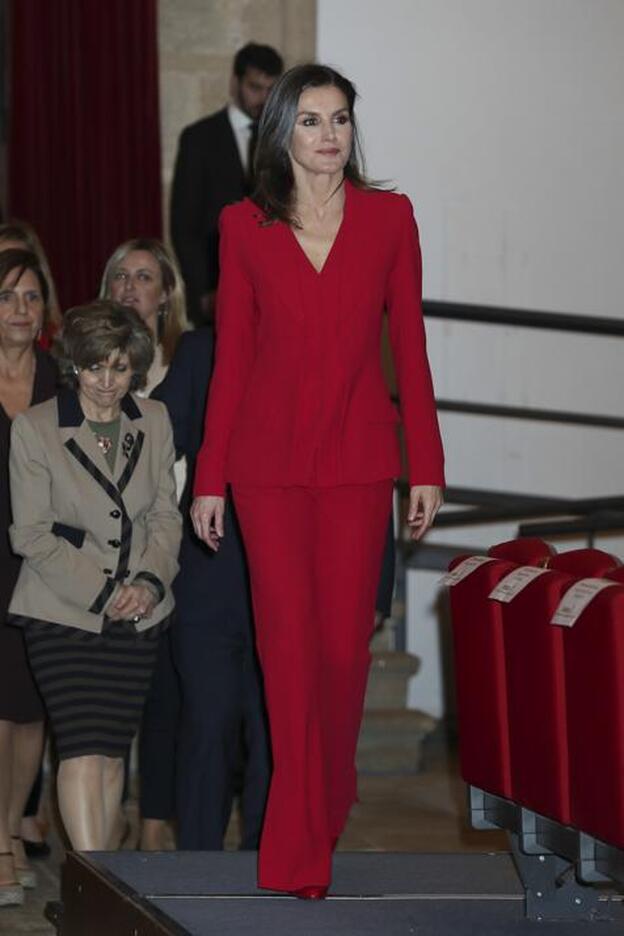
point(273, 191)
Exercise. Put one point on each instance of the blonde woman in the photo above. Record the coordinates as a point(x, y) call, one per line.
point(143, 274)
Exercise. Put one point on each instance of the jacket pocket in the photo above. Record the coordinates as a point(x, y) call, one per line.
point(73, 535)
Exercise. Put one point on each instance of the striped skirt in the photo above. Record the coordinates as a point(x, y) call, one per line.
point(93, 685)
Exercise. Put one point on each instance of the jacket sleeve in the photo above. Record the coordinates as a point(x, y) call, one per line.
point(190, 221)
point(159, 562)
point(71, 574)
point(407, 336)
point(235, 350)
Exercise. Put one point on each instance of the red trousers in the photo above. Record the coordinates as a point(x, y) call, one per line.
point(314, 558)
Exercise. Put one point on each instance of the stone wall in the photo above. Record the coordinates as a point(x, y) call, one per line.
point(197, 41)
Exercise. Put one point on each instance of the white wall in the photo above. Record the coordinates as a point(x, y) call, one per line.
point(503, 119)
point(504, 122)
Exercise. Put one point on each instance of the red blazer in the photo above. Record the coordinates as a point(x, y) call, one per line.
point(298, 395)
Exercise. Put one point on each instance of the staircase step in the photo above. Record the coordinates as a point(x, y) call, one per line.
point(384, 638)
point(387, 684)
point(391, 740)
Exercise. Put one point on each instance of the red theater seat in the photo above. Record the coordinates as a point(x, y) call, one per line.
point(536, 684)
point(480, 666)
point(594, 666)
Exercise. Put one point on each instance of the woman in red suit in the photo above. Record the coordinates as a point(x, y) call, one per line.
point(300, 425)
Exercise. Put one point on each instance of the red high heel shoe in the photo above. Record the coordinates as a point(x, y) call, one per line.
point(311, 892)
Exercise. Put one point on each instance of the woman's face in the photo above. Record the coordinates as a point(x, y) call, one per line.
point(21, 309)
point(104, 385)
point(137, 281)
point(323, 134)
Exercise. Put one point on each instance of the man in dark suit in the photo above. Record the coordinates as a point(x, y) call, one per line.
point(213, 170)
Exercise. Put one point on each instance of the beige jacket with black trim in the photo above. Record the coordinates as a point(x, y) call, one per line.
point(83, 529)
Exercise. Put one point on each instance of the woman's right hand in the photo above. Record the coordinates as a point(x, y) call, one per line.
point(207, 516)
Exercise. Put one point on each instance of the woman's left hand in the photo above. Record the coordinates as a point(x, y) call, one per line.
point(425, 501)
point(132, 601)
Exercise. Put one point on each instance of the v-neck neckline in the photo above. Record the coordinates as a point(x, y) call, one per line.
point(335, 242)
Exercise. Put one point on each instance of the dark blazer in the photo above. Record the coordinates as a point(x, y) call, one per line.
point(81, 528)
point(298, 395)
point(44, 387)
point(208, 175)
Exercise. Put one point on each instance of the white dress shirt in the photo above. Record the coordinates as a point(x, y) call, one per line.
point(241, 125)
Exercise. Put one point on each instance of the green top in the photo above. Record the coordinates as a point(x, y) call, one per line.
point(107, 436)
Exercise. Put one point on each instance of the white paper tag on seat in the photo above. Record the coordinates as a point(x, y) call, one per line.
point(576, 600)
point(512, 584)
point(464, 569)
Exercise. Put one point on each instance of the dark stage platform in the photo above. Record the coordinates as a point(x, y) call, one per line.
point(203, 893)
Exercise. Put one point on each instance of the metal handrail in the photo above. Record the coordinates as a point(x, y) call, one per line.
point(532, 413)
point(585, 526)
point(510, 508)
point(588, 516)
point(565, 417)
point(524, 318)
point(500, 506)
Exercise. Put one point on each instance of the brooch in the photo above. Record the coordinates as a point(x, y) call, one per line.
point(104, 442)
point(127, 444)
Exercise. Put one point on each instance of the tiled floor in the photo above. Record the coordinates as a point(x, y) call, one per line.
point(422, 813)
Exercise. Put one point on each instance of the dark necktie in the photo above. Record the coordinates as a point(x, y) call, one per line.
point(251, 153)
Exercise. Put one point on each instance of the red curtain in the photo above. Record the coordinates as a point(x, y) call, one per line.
point(84, 131)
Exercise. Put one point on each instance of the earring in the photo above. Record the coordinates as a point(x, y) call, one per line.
point(75, 371)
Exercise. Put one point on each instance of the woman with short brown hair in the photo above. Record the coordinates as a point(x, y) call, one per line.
point(96, 521)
